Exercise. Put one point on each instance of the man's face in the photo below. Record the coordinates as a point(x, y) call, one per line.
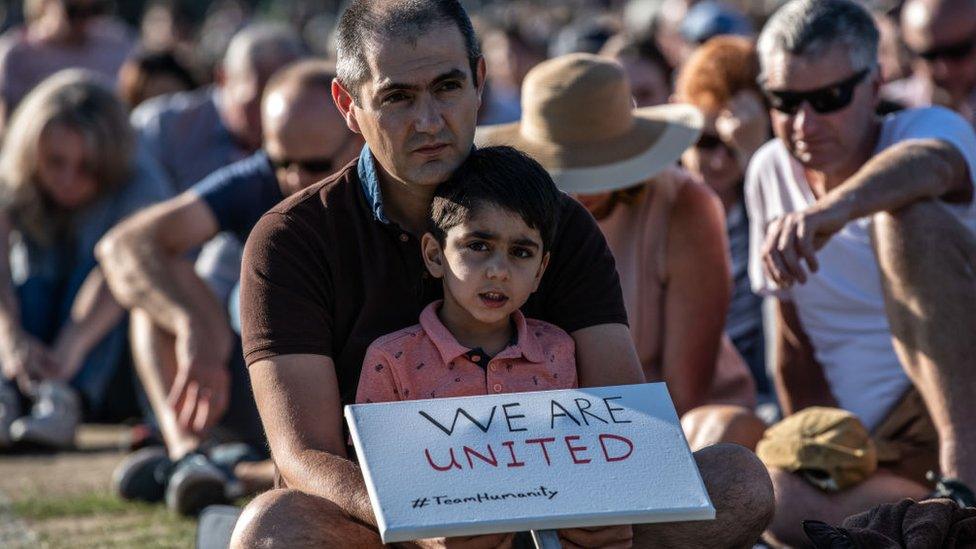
point(419, 109)
point(827, 142)
point(305, 138)
point(944, 46)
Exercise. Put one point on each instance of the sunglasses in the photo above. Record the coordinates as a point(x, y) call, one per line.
point(950, 52)
point(830, 98)
point(309, 165)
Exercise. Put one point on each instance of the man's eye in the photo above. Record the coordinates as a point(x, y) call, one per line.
point(450, 86)
point(478, 246)
point(395, 98)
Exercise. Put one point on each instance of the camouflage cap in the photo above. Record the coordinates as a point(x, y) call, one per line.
point(830, 447)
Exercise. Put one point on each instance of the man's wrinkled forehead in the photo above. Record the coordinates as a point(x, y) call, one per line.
point(413, 57)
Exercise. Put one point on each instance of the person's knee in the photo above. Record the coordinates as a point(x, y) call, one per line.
point(740, 489)
point(272, 519)
point(714, 424)
point(915, 241)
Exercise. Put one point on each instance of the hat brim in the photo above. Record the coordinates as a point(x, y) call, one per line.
point(654, 142)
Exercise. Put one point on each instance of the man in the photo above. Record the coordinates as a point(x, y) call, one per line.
point(191, 377)
point(59, 34)
point(329, 270)
point(863, 230)
point(942, 35)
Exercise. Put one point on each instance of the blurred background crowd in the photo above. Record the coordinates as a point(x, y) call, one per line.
point(171, 92)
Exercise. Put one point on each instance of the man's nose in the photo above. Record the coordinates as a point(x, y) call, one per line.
point(805, 121)
point(428, 115)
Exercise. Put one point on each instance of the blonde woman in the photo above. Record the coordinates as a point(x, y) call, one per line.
point(68, 173)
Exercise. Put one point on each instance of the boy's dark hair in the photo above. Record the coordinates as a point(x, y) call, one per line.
point(499, 176)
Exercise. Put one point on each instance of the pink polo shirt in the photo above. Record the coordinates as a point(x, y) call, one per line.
point(426, 361)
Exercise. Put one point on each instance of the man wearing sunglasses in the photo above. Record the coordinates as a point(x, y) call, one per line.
point(942, 35)
point(197, 375)
point(863, 230)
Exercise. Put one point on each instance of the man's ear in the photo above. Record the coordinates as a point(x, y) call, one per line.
point(433, 255)
point(541, 271)
point(344, 101)
point(482, 74)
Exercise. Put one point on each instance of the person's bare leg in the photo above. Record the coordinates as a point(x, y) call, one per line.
point(717, 423)
point(154, 354)
point(797, 500)
point(255, 476)
point(289, 518)
point(928, 265)
point(742, 494)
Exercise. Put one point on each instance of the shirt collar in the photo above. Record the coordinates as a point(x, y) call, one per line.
point(525, 344)
point(370, 181)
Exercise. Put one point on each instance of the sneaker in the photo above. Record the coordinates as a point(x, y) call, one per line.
point(951, 488)
point(53, 419)
point(9, 411)
point(195, 483)
point(142, 475)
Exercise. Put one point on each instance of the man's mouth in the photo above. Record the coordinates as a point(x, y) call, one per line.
point(493, 299)
point(431, 150)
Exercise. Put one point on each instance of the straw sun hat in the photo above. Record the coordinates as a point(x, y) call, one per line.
point(578, 121)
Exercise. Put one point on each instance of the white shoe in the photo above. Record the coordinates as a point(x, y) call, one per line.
point(53, 419)
point(9, 411)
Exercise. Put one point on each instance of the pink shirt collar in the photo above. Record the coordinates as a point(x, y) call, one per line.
point(526, 346)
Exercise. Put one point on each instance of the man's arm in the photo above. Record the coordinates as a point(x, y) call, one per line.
point(902, 174)
point(144, 264)
point(137, 256)
point(605, 355)
point(799, 378)
point(298, 398)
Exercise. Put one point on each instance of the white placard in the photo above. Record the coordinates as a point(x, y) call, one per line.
point(526, 461)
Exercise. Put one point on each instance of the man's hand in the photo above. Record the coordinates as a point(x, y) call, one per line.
point(488, 541)
point(796, 237)
point(26, 360)
point(201, 390)
point(607, 537)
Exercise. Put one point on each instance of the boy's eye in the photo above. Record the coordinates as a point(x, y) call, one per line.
point(478, 246)
point(522, 253)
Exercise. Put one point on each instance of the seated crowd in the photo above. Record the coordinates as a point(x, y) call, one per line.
point(780, 224)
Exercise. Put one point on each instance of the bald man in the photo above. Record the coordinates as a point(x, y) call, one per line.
point(942, 35)
point(186, 355)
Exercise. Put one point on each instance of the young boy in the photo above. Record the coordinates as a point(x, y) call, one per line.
point(490, 231)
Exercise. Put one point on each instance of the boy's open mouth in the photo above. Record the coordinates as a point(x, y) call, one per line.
point(493, 299)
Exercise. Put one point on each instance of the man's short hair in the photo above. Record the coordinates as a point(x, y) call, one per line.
point(260, 44)
point(366, 20)
point(810, 27)
point(498, 176)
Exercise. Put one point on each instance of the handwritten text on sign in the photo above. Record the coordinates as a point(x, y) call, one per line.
point(551, 459)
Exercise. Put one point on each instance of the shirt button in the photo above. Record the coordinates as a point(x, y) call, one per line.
point(497, 387)
point(404, 237)
point(493, 368)
point(476, 358)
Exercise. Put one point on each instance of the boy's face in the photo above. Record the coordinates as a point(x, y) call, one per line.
point(490, 264)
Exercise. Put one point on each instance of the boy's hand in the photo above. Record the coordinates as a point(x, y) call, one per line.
point(606, 537)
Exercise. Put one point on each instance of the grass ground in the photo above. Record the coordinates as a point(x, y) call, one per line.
point(64, 500)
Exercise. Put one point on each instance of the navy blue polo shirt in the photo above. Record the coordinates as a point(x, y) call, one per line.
point(240, 193)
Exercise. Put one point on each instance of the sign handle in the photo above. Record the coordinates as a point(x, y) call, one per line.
point(546, 539)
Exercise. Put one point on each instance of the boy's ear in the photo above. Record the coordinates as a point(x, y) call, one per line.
point(541, 271)
point(433, 255)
